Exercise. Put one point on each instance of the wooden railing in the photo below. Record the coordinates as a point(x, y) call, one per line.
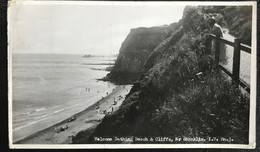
point(238, 47)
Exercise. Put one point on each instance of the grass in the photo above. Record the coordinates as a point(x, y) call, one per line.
point(181, 93)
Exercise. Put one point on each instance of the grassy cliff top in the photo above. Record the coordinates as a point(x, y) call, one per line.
point(181, 93)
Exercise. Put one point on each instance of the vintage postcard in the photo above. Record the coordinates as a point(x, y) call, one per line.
point(85, 74)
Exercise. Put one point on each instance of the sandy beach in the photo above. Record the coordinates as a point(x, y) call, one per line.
point(62, 133)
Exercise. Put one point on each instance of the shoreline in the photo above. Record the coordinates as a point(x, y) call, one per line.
point(80, 121)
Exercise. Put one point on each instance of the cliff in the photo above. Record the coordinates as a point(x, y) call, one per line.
point(135, 50)
point(179, 93)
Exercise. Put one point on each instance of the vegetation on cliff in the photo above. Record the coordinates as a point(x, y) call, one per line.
point(180, 93)
point(134, 51)
point(235, 18)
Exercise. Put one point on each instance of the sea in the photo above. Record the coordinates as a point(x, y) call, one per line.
point(49, 88)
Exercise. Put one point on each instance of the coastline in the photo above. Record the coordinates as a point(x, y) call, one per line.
point(83, 120)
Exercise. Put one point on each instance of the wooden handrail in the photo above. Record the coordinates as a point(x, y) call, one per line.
point(227, 42)
point(238, 47)
point(223, 40)
point(243, 47)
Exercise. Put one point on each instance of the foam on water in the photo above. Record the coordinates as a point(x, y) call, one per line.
point(29, 124)
point(40, 109)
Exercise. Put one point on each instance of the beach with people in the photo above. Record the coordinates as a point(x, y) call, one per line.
point(48, 89)
point(62, 132)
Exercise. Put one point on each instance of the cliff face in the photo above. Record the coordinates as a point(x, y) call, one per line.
point(180, 93)
point(136, 47)
point(135, 50)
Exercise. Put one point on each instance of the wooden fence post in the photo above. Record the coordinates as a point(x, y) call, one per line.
point(217, 47)
point(208, 45)
point(236, 61)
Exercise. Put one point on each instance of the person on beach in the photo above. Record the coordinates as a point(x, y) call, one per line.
point(115, 103)
point(63, 128)
point(71, 119)
point(218, 31)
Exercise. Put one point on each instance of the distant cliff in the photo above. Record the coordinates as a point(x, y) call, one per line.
point(179, 93)
point(135, 50)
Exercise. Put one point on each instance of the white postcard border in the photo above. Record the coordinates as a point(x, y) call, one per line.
point(252, 119)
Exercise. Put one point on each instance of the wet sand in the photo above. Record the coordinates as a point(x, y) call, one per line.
point(63, 132)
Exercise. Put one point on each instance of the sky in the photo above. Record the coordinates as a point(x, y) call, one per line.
point(85, 28)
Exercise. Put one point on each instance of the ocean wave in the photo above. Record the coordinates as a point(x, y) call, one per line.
point(20, 120)
point(29, 124)
point(40, 109)
point(23, 114)
point(57, 111)
point(60, 110)
point(43, 116)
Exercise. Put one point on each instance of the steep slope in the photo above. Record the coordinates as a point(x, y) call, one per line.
point(135, 50)
point(180, 93)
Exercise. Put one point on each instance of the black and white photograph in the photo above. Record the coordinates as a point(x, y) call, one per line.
point(89, 74)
